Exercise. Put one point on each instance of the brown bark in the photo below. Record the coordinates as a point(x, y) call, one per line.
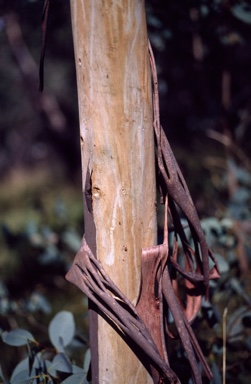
point(117, 149)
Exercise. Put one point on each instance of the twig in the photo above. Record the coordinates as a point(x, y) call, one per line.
point(224, 355)
point(46, 103)
point(230, 145)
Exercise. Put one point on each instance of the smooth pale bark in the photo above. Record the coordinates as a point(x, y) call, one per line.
point(117, 146)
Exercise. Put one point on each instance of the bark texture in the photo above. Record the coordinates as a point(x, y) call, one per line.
point(117, 149)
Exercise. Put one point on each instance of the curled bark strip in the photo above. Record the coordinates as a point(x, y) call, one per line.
point(185, 331)
point(196, 272)
point(89, 276)
point(173, 184)
point(150, 305)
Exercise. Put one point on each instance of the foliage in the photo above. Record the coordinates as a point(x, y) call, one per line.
point(34, 261)
point(49, 252)
point(223, 326)
point(47, 364)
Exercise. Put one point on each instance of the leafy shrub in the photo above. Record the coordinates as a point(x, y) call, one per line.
point(47, 364)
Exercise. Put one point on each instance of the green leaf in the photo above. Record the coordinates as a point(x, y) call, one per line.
point(1, 374)
point(38, 302)
point(3, 289)
point(72, 240)
point(62, 363)
point(50, 255)
point(241, 13)
point(87, 360)
point(76, 369)
point(223, 265)
point(17, 337)
point(20, 369)
point(235, 326)
point(78, 378)
point(22, 378)
point(62, 330)
point(216, 374)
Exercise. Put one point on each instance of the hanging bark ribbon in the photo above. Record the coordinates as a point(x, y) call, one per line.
point(44, 33)
point(89, 276)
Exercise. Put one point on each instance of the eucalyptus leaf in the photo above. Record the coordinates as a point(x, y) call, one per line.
point(38, 302)
point(21, 368)
point(204, 10)
point(235, 326)
point(72, 240)
point(211, 224)
point(17, 337)
point(62, 363)
point(62, 329)
point(22, 378)
point(217, 379)
point(1, 374)
point(3, 289)
point(60, 209)
point(222, 263)
point(78, 378)
point(31, 229)
point(49, 366)
point(241, 195)
point(50, 255)
point(52, 370)
point(241, 13)
point(154, 21)
point(237, 288)
point(87, 360)
point(76, 369)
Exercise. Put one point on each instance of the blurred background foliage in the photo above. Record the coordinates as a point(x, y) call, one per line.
point(203, 55)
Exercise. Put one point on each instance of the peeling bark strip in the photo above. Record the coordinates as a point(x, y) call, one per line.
point(89, 276)
point(173, 185)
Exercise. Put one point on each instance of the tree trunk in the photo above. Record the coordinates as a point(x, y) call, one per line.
point(117, 149)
